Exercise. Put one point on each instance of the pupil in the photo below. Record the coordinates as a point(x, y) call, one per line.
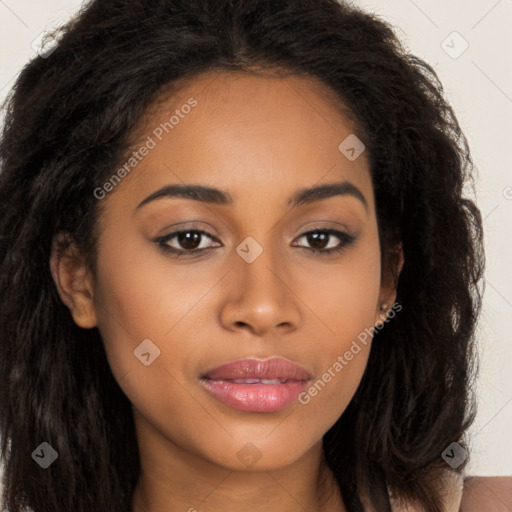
point(313, 239)
point(186, 240)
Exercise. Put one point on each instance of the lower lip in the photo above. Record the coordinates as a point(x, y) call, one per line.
point(255, 397)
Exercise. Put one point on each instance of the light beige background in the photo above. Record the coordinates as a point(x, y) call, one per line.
point(478, 83)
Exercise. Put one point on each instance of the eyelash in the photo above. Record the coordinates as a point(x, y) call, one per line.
point(345, 238)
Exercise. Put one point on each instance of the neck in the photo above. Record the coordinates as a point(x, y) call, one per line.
point(172, 478)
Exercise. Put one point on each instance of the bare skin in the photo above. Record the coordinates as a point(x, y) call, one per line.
point(261, 140)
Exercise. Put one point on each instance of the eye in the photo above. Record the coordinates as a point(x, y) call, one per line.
point(318, 237)
point(187, 241)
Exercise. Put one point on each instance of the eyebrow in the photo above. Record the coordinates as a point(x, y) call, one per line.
point(212, 195)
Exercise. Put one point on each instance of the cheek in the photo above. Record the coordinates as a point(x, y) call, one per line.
point(139, 296)
point(142, 302)
point(344, 295)
point(346, 305)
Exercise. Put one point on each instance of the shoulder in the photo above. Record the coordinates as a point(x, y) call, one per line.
point(489, 493)
point(473, 494)
point(451, 488)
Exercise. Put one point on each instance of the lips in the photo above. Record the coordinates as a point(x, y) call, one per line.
point(255, 370)
point(254, 385)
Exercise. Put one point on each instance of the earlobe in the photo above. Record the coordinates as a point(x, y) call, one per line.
point(381, 315)
point(74, 283)
point(394, 263)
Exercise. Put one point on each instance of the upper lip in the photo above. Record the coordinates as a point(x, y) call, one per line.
point(274, 368)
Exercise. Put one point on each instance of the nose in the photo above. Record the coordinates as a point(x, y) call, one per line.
point(261, 296)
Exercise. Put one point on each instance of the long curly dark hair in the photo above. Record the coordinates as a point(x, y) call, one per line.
point(68, 123)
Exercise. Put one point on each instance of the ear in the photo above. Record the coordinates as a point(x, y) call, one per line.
point(391, 268)
point(73, 281)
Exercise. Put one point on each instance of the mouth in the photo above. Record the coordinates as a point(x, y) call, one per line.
point(259, 381)
point(254, 385)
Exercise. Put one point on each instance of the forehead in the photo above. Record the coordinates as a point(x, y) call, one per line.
point(229, 129)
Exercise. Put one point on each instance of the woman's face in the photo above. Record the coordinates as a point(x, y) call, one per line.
point(257, 290)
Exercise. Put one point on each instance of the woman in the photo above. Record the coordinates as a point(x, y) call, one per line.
point(237, 267)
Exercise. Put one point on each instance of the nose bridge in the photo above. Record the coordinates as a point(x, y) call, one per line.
point(260, 268)
point(261, 297)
